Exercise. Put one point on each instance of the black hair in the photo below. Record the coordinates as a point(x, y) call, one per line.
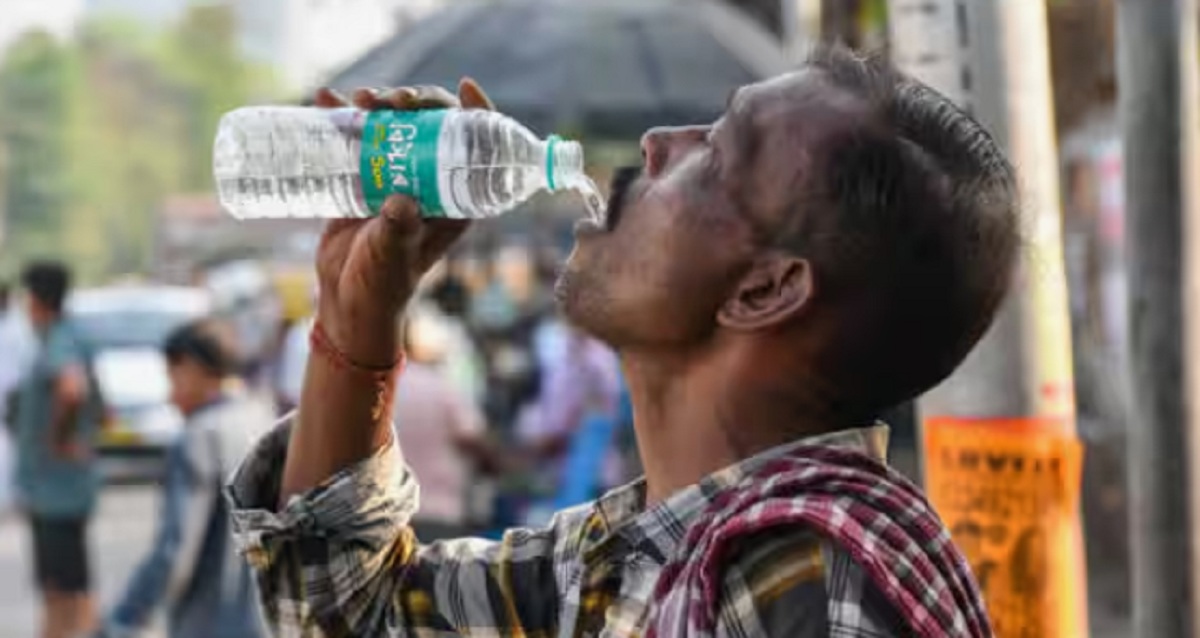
point(204, 343)
point(921, 238)
point(452, 296)
point(48, 282)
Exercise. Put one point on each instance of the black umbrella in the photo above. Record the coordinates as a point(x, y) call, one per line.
point(607, 68)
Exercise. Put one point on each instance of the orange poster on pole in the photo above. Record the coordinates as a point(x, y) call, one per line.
point(1008, 491)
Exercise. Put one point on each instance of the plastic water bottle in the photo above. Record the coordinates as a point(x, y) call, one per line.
point(295, 162)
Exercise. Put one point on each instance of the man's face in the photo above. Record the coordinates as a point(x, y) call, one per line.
point(679, 237)
point(190, 385)
point(38, 314)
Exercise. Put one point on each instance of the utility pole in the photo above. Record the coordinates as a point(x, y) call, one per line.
point(837, 20)
point(789, 23)
point(1190, 41)
point(1151, 75)
point(1003, 426)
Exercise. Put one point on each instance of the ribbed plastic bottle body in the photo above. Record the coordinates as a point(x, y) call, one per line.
point(281, 162)
point(273, 162)
point(488, 164)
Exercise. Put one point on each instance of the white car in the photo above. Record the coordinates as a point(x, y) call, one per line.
point(126, 327)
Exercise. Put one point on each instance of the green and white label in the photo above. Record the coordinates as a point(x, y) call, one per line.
point(399, 157)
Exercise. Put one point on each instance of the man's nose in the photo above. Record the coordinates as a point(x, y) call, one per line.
point(664, 145)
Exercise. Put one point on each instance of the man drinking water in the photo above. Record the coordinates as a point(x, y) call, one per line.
point(833, 245)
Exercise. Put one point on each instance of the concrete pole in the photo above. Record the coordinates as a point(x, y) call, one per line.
point(789, 21)
point(1023, 366)
point(992, 57)
point(932, 41)
point(1150, 75)
point(808, 21)
point(1190, 41)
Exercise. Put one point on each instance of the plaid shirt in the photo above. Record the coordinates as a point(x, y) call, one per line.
point(341, 561)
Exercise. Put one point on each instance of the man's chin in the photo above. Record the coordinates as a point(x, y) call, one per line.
point(571, 291)
point(565, 287)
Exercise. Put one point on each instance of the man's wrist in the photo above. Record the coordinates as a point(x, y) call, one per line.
point(384, 355)
point(381, 378)
point(368, 343)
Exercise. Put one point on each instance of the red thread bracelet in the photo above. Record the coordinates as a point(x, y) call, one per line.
point(322, 343)
point(383, 378)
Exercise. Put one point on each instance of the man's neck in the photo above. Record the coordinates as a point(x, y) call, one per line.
point(43, 328)
point(694, 419)
point(212, 396)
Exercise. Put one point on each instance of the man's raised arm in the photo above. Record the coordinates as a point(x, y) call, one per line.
point(321, 507)
point(367, 271)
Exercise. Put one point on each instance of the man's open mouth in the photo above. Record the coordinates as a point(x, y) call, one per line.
point(618, 193)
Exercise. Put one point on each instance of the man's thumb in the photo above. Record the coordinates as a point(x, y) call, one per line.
point(397, 232)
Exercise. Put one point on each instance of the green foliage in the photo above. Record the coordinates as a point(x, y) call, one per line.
point(35, 82)
point(96, 132)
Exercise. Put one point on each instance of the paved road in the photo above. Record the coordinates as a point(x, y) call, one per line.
point(120, 534)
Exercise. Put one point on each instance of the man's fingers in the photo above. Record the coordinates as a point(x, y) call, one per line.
point(329, 99)
point(367, 99)
point(405, 98)
point(399, 98)
point(471, 96)
point(425, 97)
point(411, 98)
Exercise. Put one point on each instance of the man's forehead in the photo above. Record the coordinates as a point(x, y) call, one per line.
point(797, 108)
point(792, 89)
point(787, 116)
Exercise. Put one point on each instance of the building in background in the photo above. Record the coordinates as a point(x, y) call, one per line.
point(302, 40)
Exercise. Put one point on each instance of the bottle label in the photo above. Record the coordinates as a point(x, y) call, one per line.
point(399, 157)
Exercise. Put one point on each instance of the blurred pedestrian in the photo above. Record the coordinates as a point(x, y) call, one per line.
point(444, 432)
point(192, 570)
point(583, 382)
point(59, 412)
point(461, 361)
point(289, 366)
point(289, 354)
point(494, 311)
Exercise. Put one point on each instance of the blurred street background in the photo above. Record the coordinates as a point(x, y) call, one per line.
point(120, 535)
point(108, 110)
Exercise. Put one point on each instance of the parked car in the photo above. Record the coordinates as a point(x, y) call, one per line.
point(126, 326)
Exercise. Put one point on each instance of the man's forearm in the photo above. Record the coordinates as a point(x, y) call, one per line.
point(344, 418)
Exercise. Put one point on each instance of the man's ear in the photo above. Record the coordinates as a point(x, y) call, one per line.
point(776, 289)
